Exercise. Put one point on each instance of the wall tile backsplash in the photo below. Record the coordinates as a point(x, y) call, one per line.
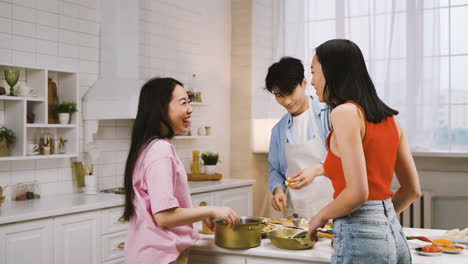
point(64, 34)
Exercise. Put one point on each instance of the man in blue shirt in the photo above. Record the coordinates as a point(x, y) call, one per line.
point(297, 143)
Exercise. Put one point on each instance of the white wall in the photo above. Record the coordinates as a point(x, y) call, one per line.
point(178, 38)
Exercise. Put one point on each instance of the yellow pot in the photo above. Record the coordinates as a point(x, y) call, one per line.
point(247, 234)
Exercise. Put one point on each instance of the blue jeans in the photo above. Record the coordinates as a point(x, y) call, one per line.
point(371, 234)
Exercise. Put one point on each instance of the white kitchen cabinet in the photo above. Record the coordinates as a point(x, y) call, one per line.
point(77, 238)
point(265, 260)
point(112, 220)
point(113, 246)
point(27, 242)
point(115, 261)
point(215, 259)
point(239, 199)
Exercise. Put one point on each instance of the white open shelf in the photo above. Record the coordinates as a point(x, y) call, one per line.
point(51, 125)
point(15, 109)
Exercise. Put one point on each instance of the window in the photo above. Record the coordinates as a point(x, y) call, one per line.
point(417, 55)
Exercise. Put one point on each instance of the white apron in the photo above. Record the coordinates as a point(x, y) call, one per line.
point(308, 201)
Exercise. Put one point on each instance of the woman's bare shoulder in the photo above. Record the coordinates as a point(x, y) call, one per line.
point(347, 111)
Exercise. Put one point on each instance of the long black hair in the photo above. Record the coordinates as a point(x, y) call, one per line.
point(347, 78)
point(152, 121)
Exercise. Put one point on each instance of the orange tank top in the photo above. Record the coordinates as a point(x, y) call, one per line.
point(380, 146)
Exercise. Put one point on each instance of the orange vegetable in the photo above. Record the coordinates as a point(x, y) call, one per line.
point(431, 249)
point(442, 242)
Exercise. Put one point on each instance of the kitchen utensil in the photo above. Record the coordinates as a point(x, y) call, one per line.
point(282, 238)
point(299, 234)
point(52, 100)
point(284, 209)
point(246, 234)
point(91, 169)
point(78, 173)
point(11, 77)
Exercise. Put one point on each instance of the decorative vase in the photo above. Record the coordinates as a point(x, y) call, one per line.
point(64, 118)
point(210, 169)
point(3, 147)
point(11, 77)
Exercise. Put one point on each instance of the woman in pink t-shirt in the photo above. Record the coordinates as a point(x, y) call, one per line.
point(157, 197)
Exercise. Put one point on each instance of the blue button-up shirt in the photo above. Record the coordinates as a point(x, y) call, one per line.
point(282, 134)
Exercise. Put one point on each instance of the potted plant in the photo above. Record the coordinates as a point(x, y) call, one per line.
point(210, 159)
point(64, 110)
point(7, 139)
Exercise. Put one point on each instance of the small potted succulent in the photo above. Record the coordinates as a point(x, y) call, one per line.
point(210, 159)
point(7, 139)
point(64, 110)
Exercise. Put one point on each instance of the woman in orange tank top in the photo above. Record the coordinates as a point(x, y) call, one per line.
point(366, 146)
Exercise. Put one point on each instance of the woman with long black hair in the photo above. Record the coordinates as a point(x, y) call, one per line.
point(157, 196)
point(367, 145)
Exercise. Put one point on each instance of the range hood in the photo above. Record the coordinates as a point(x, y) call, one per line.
point(115, 94)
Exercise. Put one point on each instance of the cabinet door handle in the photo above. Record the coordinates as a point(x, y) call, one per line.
point(121, 219)
point(203, 203)
point(121, 245)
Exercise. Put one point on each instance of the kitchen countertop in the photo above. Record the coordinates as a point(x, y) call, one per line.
point(49, 206)
point(322, 251)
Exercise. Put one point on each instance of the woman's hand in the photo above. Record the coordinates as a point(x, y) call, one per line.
point(315, 222)
point(226, 214)
point(279, 200)
point(305, 177)
point(209, 223)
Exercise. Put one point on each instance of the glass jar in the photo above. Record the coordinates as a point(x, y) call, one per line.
point(37, 189)
point(29, 187)
point(18, 192)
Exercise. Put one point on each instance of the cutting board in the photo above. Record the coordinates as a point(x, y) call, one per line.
point(52, 100)
point(204, 177)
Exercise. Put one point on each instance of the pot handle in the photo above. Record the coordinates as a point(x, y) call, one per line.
point(302, 242)
point(257, 227)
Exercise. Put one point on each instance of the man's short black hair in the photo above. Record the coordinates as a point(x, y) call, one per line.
point(284, 76)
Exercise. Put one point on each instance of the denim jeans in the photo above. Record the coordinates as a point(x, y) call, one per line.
point(371, 234)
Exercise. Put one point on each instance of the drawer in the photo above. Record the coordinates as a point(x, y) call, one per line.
point(112, 220)
point(115, 261)
point(113, 246)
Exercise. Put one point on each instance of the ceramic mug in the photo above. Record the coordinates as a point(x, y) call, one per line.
point(208, 131)
point(33, 149)
point(201, 131)
point(24, 90)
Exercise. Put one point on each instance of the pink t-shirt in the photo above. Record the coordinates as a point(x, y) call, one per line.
point(160, 183)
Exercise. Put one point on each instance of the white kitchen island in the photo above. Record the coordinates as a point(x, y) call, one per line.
point(206, 252)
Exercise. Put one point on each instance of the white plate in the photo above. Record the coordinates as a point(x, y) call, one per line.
point(457, 251)
point(420, 252)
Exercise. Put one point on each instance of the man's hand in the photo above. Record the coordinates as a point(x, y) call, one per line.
point(279, 200)
point(305, 177)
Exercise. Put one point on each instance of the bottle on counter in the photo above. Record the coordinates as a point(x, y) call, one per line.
point(196, 162)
